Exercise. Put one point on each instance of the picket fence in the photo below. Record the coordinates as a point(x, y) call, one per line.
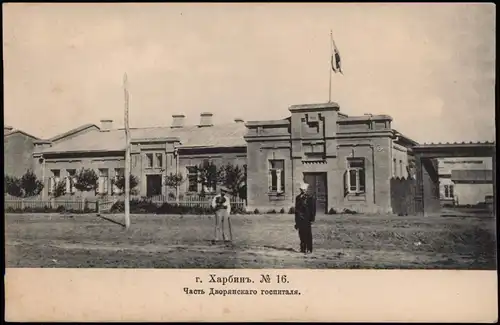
point(37, 203)
point(187, 201)
point(103, 204)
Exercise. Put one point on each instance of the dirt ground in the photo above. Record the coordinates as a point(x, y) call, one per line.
point(260, 241)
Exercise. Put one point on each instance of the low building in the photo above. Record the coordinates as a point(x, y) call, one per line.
point(349, 161)
point(465, 181)
point(18, 151)
point(155, 153)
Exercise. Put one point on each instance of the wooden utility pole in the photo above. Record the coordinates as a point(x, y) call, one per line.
point(127, 157)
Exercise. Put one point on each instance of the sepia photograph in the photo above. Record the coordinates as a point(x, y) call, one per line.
point(250, 136)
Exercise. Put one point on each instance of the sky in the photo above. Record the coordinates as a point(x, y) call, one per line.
point(429, 66)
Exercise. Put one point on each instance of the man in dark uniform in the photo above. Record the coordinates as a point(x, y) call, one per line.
point(305, 214)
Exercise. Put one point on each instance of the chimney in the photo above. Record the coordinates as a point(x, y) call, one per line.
point(106, 125)
point(238, 120)
point(177, 121)
point(205, 120)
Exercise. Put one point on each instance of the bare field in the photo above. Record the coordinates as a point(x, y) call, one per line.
point(260, 241)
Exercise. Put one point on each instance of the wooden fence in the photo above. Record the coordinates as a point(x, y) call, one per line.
point(104, 204)
point(36, 203)
point(187, 201)
point(403, 196)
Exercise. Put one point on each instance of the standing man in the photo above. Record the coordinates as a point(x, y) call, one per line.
point(222, 206)
point(305, 214)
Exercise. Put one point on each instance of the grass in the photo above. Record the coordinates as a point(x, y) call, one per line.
point(260, 241)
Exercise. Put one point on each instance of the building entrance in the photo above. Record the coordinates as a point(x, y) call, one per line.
point(319, 189)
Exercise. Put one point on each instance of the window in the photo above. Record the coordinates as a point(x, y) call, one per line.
point(149, 160)
point(192, 178)
point(54, 179)
point(400, 168)
point(394, 174)
point(118, 172)
point(103, 181)
point(448, 192)
point(159, 160)
point(355, 175)
point(276, 176)
point(70, 181)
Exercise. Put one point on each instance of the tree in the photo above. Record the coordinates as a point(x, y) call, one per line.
point(208, 176)
point(120, 182)
point(234, 178)
point(30, 184)
point(13, 186)
point(26, 186)
point(86, 180)
point(174, 181)
point(59, 189)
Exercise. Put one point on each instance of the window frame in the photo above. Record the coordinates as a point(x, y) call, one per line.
point(448, 191)
point(279, 189)
point(358, 189)
point(152, 160)
point(158, 159)
point(191, 171)
point(71, 181)
point(105, 183)
point(53, 180)
point(117, 172)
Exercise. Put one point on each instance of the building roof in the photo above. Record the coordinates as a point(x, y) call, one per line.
point(9, 131)
point(224, 135)
point(472, 175)
point(405, 138)
point(73, 131)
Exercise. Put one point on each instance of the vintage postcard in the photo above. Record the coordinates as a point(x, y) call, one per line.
point(250, 162)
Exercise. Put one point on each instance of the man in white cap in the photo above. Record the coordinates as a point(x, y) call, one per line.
point(305, 214)
point(222, 206)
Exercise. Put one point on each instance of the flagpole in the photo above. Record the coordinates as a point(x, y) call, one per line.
point(330, 69)
point(127, 156)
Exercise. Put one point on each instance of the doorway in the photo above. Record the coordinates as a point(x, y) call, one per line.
point(319, 189)
point(153, 184)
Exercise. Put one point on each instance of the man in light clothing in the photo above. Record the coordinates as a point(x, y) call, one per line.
point(222, 206)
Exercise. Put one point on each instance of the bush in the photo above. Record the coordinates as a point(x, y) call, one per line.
point(332, 211)
point(282, 210)
point(167, 208)
point(61, 208)
point(256, 211)
point(48, 209)
point(272, 211)
point(45, 209)
point(238, 210)
point(136, 206)
point(291, 211)
point(349, 211)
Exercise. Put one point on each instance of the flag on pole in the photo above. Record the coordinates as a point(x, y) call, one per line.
point(336, 64)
